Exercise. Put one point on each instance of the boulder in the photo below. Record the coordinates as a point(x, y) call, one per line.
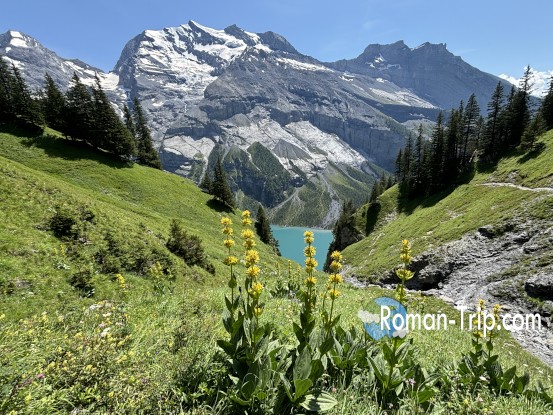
point(540, 285)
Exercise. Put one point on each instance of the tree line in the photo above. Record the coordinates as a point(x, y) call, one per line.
point(82, 113)
point(467, 139)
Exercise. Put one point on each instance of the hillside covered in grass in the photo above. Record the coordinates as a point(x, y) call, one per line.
point(97, 315)
point(519, 188)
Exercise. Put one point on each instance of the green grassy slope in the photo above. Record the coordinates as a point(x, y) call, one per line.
point(447, 216)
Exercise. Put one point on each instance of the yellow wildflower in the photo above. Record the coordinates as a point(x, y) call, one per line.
point(404, 274)
point(229, 243)
point(246, 220)
point(256, 290)
point(228, 231)
point(121, 281)
point(249, 243)
point(311, 262)
point(335, 266)
point(253, 271)
point(405, 252)
point(309, 251)
point(257, 311)
point(333, 293)
point(230, 260)
point(247, 234)
point(310, 281)
point(252, 256)
point(335, 278)
point(336, 256)
point(225, 221)
point(308, 237)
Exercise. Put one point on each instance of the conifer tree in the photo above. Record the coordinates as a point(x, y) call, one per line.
point(451, 144)
point(492, 137)
point(24, 105)
point(79, 116)
point(399, 163)
point(220, 188)
point(375, 192)
point(129, 123)
point(519, 109)
point(407, 160)
point(546, 109)
point(109, 131)
point(146, 153)
point(344, 231)
point(206, 184)
point(437, 155)
point(416, 182)
point(6, 86)
point(470, 122)
point(263, 229)
point(53, 105)
point(535, 128)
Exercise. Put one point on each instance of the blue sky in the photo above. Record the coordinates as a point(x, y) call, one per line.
point(495, 36)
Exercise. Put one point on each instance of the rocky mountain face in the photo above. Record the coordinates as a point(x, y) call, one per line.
point(34, 60)
point(294, 133)
point(430, 71)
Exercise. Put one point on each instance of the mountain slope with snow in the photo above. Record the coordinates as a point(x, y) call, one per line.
point(288, 127)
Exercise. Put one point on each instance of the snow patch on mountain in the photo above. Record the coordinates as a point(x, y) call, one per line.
point(18, 40)
point(303, 66)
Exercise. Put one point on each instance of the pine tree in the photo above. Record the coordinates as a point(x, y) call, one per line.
point(146, 153)
point(53, 105)
point(263, 228)
point(129, 123)
point(344, 231)
point(24, 104)
point(399, 163)
point(376, 191)
point(470, 122)
point(536, 127)
point(221, 188)
point(109, 131)
point(79, 116)
point(546, 109)
point(407, 160)
point(417, 182)
point(437, 155)
point(492, 138)
point(452, 140)
point(7, 81)
point(519, 109)
point(206, 184)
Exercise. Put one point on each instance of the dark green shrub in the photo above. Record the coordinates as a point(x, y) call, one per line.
point(82, 281)
point(188, 247)
point(63, 223)
point(71, 223)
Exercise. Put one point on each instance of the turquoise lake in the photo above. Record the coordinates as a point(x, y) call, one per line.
point(291, 245)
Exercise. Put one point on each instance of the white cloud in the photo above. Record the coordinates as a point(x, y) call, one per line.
point(541, 81)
